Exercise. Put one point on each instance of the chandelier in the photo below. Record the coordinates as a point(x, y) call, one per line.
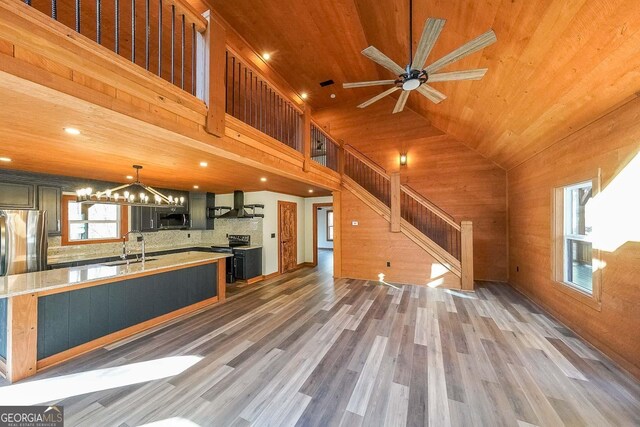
point(132, 194)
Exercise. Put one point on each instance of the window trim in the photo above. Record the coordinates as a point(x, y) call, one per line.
point(327, 221)
point(592, 299)
point(64, 241)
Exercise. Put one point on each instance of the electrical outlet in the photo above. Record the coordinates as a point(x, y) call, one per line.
point(388, 263)
point(354, 223)
point(517, 268)
point(273, 235)
point(227, 235)
point(188, 235)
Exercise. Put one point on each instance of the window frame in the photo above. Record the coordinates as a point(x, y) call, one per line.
point(332, 226)
point(65, 241)
point(558, 247)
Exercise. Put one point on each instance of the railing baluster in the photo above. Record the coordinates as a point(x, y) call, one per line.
point(133, 31)
point(98, 23)
point(160, 38)
point(239, 86)
point(193, 59)
point(245, 94)
point(78, 7)
point(233, 85)
point(173, 42)
point(147, 34)
point(182, 40)
point(54, 9)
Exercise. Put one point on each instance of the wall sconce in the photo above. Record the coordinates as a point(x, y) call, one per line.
point(403, 159)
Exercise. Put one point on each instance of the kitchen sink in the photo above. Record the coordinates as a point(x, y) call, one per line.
point(130, 261)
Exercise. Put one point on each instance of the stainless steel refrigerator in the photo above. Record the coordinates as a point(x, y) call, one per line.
point(23, 241)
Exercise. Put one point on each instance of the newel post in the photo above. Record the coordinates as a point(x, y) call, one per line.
point(216, 59)
point(306, 138)
point(466, 258)
point(395, 202)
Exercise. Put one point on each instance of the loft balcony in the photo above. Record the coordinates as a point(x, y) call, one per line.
point(155, 75)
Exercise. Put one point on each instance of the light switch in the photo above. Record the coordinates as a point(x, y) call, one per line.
point(354, 223)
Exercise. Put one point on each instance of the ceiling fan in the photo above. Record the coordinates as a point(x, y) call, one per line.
point(415, 75)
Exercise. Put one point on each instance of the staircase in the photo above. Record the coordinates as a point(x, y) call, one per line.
point(408, 212)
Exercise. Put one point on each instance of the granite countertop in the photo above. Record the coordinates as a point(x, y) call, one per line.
point(62, 259)
point(40, 281)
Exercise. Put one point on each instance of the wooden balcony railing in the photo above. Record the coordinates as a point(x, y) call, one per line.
point(253, 100)
point(158, 35)
point(431, 221)
point(324, 150)
point(367, 174)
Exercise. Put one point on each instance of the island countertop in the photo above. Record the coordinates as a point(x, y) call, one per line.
point(47, 280)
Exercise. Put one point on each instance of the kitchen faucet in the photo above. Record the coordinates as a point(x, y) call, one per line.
point(124, 244)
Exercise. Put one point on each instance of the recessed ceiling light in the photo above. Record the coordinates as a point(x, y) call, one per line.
point(129, 177)
point(5, 159)
point(310, 191)
point(263, 179)
point(204, 164)
point(304, 95)
point(72, 131)
point(333, 95)
point(266, 56)
point(196, 187)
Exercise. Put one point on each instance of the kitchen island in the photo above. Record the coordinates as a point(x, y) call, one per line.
point(50, 316)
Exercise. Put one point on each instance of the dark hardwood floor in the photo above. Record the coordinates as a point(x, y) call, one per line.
point(305, 349)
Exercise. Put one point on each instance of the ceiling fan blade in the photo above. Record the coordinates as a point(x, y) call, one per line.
point(371, 83)
point(378, 97)
point(476, 74)
point(380, 58)
point(431, 94)
point(430, 34)
point(468, 48)
point(402, 100)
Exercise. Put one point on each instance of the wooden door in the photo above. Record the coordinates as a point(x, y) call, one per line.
point(288, 235)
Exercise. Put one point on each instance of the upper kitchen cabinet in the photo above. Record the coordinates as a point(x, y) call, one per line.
point(15, 195)
point(50, 199)
point(200, 204)
point(143, 218)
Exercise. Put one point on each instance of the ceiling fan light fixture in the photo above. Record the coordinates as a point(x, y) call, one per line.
point(411, 84)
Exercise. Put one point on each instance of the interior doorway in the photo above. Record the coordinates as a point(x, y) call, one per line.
point(288, 236)
point(323, 226)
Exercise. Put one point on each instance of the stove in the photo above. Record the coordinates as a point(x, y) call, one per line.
point(235, 241)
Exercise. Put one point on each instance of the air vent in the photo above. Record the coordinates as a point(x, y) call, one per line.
point(327, 83)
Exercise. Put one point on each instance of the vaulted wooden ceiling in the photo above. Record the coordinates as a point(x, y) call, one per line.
point(557, 66)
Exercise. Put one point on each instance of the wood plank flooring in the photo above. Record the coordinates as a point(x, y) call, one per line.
point(304, 349)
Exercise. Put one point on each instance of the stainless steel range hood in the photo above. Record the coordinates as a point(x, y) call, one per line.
point(239, 211)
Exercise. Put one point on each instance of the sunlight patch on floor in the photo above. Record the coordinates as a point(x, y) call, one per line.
point(57, 388)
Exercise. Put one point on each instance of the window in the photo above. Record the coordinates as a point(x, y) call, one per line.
point(578, 266)
point(92, 223)
point(330, 225)
point(575, 260)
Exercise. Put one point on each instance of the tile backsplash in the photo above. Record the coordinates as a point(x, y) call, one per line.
point(160, 240)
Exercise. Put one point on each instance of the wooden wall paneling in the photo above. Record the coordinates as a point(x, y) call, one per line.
point(613, 143)
point(22, 327)
point(337, 234)
point(440, 168)
point(395, 202)
point(368, 246)
point(217, 68)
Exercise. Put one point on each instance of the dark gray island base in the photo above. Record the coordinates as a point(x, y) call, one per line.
point(55, 315)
